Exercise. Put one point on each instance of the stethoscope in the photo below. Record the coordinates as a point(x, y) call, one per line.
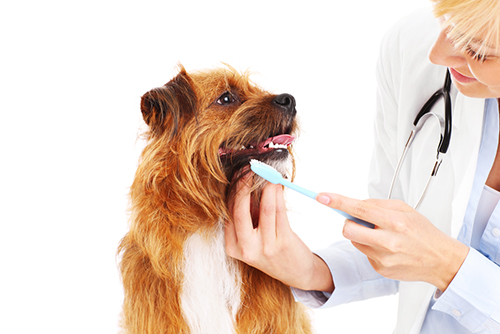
point(444, 142)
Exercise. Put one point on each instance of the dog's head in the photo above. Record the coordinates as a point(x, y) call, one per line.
point(204, 127)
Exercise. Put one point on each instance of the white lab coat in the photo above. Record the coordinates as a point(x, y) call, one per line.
point(406, 79)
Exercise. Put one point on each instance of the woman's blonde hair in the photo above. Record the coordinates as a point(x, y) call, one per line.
point(471, 21)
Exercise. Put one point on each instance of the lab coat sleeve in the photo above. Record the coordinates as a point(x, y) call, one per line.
point(473, 297)
point(353, 276)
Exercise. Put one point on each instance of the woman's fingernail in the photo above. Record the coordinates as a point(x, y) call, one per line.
point(323, 199)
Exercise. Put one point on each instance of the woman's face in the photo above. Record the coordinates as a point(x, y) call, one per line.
point(473, 74)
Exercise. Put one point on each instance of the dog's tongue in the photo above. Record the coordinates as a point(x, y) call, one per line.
point(281, 139)
point(263, 147)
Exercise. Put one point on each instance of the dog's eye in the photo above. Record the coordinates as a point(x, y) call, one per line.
point(225, 99)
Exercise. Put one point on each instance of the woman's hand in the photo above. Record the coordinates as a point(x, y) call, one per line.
point(404, 245)
point(273, 247)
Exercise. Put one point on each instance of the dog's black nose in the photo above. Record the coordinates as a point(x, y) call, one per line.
point(286, 101)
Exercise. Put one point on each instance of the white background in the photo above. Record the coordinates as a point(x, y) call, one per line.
point(71, 77)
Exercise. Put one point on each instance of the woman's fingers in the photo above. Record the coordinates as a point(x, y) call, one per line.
point(242, 218)
point(239, 230)
point(267, 218)
point(376, 211)
point(282, 224)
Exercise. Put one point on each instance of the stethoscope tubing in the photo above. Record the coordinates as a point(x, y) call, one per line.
point(445, 137)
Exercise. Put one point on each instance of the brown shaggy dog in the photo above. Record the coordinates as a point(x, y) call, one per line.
point(204, 127)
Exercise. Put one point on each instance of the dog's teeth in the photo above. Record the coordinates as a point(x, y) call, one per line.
point(242, 148)
point(251, 146)
point(273, 145)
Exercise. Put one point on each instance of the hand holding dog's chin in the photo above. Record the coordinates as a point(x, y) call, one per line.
point(272, 246)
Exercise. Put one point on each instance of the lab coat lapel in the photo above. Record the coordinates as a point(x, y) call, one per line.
point(415, 296)
point(412, 312)
point(452, 185)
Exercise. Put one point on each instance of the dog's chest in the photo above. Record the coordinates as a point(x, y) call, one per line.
point(212, 285)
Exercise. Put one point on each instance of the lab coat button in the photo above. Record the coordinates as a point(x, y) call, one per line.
point(456, 313)
point(496, 232)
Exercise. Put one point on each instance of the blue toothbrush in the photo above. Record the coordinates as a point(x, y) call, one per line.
point(272, 175)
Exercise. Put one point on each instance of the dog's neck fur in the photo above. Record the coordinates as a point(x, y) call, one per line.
point(211, 288)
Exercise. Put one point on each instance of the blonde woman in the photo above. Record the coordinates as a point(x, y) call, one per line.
point(443, 259)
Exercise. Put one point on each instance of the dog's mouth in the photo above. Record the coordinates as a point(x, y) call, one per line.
point(274, 151)
point(267, 140)
point(272, 144)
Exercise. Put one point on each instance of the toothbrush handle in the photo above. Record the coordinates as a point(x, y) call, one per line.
point(354, 219)
point(313, 195)
point(301, 190)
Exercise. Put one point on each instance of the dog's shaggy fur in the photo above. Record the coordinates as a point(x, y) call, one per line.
point(204, 127)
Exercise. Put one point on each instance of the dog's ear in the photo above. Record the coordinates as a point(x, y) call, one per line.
point(167, 108)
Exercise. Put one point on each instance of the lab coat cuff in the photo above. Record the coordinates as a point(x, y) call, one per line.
point(474, 293)
point(345, 278)
point(353, 277)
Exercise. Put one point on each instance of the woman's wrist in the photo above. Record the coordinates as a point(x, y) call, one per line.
point(453, 259)
point(321, 278)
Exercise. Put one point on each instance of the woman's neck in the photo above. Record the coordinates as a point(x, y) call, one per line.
point(493, 180)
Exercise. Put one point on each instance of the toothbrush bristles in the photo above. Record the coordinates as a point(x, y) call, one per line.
point(252, 161)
